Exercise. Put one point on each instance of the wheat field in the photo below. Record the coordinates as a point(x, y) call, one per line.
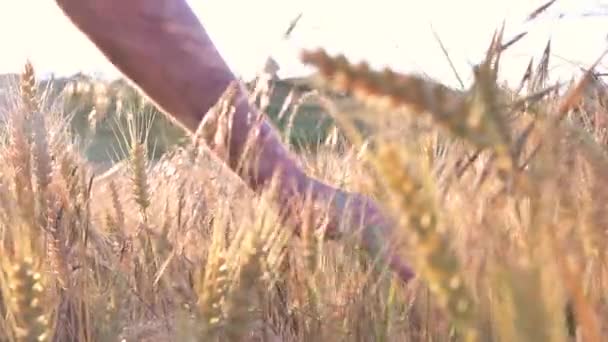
point(499, 196)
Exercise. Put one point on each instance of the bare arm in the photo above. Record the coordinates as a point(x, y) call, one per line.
point(162, 47)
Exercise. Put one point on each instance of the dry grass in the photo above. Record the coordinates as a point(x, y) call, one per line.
point(500, 198)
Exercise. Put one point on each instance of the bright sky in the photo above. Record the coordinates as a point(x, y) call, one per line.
point(384, 32)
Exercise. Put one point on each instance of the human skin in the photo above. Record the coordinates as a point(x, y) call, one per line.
point(161, 46)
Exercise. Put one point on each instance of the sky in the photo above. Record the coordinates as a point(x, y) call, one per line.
point(396, 33)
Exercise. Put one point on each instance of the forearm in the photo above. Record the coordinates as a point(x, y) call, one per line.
point(161, 46)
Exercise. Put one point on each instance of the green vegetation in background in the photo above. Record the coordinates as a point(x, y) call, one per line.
point(98, 109)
